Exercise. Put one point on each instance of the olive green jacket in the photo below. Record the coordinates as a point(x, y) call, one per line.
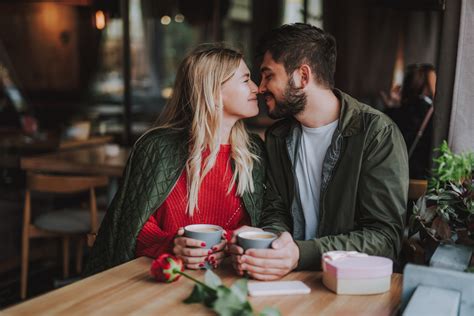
point(153, 168)
point(364, 185)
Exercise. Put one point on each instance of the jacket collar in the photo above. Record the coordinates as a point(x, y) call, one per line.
point(350, 118)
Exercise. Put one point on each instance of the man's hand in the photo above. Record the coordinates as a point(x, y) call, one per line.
point(235, 250)
point(193, 254)
point(269, 264)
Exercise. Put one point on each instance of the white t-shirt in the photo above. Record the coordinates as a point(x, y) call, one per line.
point(308, 169)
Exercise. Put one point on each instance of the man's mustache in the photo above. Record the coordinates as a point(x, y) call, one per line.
point(266, 94)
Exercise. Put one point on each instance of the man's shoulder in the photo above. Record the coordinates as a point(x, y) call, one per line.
point(280, 128)
point(371, 119)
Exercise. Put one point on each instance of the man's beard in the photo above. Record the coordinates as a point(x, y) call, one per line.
point(294, 101)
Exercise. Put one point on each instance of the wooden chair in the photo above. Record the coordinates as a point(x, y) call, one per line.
point(66, 224)
point(91, 237)
point(416, 189)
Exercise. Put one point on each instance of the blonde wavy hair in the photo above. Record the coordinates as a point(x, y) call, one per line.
point(196, 106)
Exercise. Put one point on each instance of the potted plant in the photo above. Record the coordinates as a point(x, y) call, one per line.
point(446, 212)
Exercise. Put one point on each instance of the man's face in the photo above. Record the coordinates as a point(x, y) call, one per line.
point(283, 99)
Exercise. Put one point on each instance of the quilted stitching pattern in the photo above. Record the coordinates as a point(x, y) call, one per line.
point(153, 168)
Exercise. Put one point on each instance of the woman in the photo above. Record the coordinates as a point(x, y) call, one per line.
point(417, 93)
point(199, 165)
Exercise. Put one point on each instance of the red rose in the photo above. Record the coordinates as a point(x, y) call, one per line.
point(165, 268)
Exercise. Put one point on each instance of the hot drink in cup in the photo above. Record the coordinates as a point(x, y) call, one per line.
point(210, 234)
point(255, 239)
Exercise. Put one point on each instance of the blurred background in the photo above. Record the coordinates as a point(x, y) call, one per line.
point(75, 74)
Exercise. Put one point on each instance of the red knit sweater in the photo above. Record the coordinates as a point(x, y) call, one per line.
point(215, 207)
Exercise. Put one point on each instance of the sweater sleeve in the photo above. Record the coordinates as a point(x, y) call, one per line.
point(152, 241)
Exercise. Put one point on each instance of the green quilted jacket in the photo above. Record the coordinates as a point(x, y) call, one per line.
point(153, 168)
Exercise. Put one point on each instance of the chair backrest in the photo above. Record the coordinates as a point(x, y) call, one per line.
point(416, 189)
point(91, 237)
point(63, 184)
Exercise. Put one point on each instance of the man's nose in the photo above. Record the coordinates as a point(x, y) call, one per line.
point(262, 88)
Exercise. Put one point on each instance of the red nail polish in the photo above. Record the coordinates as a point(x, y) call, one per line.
point(201, 265)
point(209, 252)
point(214, 248)
point(211, 258)
point(203, 244)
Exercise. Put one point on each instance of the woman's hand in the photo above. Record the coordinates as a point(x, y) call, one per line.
point(218, 254)
point(194, 254)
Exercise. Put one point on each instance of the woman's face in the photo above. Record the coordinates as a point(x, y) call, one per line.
point(239, 95)
point(432, 83)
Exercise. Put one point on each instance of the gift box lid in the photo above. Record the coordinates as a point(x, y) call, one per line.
point(355, 265)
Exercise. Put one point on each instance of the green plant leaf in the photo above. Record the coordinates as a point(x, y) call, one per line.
point(239, 288)
point(414, 225)
point(430, 214)
point(200, 295)
point(229, 304)
point(211, 279)
point(270, 311)
point(420, 205)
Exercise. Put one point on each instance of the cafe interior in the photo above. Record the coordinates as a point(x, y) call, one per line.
point(82, 80)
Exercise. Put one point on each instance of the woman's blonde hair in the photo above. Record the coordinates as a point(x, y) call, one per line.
point(196, 105)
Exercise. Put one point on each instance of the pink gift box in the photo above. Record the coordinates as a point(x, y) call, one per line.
point(350, 272)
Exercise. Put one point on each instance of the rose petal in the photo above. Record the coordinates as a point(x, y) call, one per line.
point(164, 268)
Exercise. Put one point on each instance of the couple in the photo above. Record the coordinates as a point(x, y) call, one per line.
point(333, 172)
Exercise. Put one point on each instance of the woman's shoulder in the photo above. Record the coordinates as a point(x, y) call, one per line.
point(160, 137)
point(257, 145)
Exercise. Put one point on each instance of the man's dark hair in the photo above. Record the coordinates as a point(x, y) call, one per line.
point(299, 43)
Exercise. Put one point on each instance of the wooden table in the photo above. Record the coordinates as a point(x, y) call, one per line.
point(88, 160)
point(128, 289)
point(91, 141)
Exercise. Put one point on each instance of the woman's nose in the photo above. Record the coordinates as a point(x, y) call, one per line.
point(253, 87)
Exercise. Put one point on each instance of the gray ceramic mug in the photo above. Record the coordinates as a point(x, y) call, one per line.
point(256, 239)
point(210, 234)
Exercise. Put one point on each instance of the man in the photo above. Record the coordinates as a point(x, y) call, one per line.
point(337, 169)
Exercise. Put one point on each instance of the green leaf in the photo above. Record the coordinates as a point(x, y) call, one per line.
point(211, 279)
point(420, 205)
point(239, 288)
point(200, 295)
point(414, 225)
point(430, 214)
point(270, 311)
point(229, 304)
